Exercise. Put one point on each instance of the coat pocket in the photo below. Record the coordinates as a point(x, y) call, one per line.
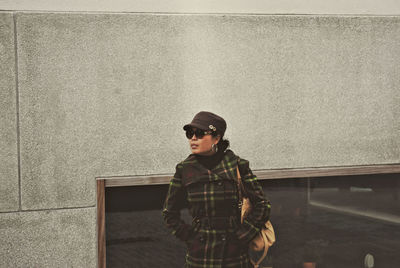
point(196, 245)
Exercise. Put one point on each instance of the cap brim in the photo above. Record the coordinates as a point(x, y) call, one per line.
point(187, 126)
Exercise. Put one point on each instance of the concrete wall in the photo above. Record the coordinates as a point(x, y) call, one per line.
point(108, 94)
point(9, 191)
point(49, 238)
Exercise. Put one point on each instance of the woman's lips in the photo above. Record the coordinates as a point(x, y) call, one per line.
point(194, 146)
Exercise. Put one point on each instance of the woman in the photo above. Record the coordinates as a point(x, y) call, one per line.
point(207, 181)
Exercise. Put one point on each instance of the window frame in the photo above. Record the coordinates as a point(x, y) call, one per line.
point(265, 174)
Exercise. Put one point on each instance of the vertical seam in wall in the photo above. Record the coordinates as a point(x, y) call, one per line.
point(17, 110)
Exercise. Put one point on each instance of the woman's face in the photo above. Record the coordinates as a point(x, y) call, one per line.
point(203, 146)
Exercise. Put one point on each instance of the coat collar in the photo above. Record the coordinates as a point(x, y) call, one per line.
point(226, 169)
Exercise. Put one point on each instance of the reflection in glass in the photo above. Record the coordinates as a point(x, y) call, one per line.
point(348, 221)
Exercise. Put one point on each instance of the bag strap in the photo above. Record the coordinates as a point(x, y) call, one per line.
point(242, 190)
point(239, 184)
point(242, 200)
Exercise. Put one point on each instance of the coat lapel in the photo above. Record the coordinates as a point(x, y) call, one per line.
point(193, 171)
point(226, 169)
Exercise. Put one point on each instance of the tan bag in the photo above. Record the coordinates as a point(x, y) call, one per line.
point(266, 238)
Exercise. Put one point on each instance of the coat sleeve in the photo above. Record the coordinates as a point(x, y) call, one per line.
point(261, 206)
point(174, 202)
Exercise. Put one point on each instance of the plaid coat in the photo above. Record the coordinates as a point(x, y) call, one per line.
point(210, 195)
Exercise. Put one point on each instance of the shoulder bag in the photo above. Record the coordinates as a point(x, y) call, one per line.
point(266, 237)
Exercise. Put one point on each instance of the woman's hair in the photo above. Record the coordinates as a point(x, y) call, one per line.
point(223, 144)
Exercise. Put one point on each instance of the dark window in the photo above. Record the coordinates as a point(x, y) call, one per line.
point(334, 221)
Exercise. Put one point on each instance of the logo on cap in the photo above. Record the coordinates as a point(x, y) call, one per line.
point(212, 127)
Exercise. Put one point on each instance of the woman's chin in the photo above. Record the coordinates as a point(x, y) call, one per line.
point(195, 151)
point(199, 152)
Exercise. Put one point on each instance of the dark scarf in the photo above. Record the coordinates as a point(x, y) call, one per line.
point(210, 161)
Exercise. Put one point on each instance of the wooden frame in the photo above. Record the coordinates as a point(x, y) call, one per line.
point(266, 174)
point(101, 224)
point(123, 181)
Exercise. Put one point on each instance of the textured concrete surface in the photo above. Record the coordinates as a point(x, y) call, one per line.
point(108, 94)
point(377, 7)
point(9, 190)
point(58, 238)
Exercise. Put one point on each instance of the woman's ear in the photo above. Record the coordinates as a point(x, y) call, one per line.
point(218, 138)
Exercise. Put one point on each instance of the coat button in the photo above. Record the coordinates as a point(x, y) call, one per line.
point(223, 238)
point(220, 183)
point(201, 238)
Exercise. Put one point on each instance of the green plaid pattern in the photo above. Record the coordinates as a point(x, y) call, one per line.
point(214, 193)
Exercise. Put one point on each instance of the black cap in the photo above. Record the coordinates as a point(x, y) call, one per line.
point(208, 121)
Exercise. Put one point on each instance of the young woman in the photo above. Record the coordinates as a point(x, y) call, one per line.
point(207, 181)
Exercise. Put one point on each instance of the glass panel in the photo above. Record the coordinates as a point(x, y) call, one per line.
point(135, 232)
point(352, 217)
point(336, 221)
point(349, 221)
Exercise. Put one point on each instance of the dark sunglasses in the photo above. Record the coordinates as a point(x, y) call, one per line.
point(198, 132)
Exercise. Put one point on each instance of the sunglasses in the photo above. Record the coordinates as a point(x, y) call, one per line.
point(198, 132)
